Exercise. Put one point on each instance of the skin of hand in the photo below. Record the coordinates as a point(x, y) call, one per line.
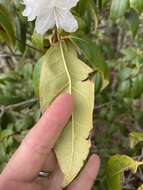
point(36, 154)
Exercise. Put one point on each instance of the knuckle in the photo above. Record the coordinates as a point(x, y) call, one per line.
point(41, 149)
point(37, 147)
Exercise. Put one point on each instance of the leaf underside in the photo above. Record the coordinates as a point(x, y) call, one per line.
point(63, 72)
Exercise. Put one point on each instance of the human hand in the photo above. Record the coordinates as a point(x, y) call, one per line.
point(36, 154)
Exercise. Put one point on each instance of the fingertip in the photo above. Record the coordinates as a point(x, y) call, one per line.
point(95, 159)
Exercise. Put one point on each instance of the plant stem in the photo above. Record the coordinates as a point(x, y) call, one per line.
point(21, 104)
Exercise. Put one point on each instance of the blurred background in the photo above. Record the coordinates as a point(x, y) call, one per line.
point(114, 49)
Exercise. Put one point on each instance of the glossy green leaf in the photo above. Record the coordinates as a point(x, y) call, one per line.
point(3, 36)
point(137, 4)
point(115, 170)
point(81, 24)
point(63, 72)
point(6, 133)
point(102, 3)
point(93, 55)
point(125, 88)
point(98, 82)
point(135, 137)
point(133, 21)
point(82, 6)
point(36, 76)
point(118, 8)
point(21, 30)
point(137, 87)
point(6, 25)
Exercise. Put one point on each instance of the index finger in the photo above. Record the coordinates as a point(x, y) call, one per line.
point(32, 154)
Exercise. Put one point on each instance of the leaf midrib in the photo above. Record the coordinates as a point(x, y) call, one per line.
point(70, 91)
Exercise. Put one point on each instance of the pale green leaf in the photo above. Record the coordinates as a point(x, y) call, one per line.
point(63, 72)
point(115, 170)
point(118, 8)
point(135, 137)
point(38, 41)
point(137, 4)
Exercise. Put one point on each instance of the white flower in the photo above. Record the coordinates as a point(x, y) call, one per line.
point(49, 13)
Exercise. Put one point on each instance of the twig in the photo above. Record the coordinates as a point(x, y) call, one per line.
point(7, 55)
point(102, 105)
point(30, 46)
point(2, 110)
point(24, 103)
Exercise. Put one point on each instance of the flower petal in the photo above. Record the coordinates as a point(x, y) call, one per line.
point(66, 20)
point(66, 4)
point(31, 9)
point(29, 13)
point(45, 22)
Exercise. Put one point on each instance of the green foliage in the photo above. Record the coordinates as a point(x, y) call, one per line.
point(118, 8)
point(21, 27)
point(95, 60)
point(110, 41)
point(36, 76)
point(37, 40)
point(137, 4)
point(115, 168)
point(133, 21)
point(18, 107)
point(7, 31)
point(135, 137)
